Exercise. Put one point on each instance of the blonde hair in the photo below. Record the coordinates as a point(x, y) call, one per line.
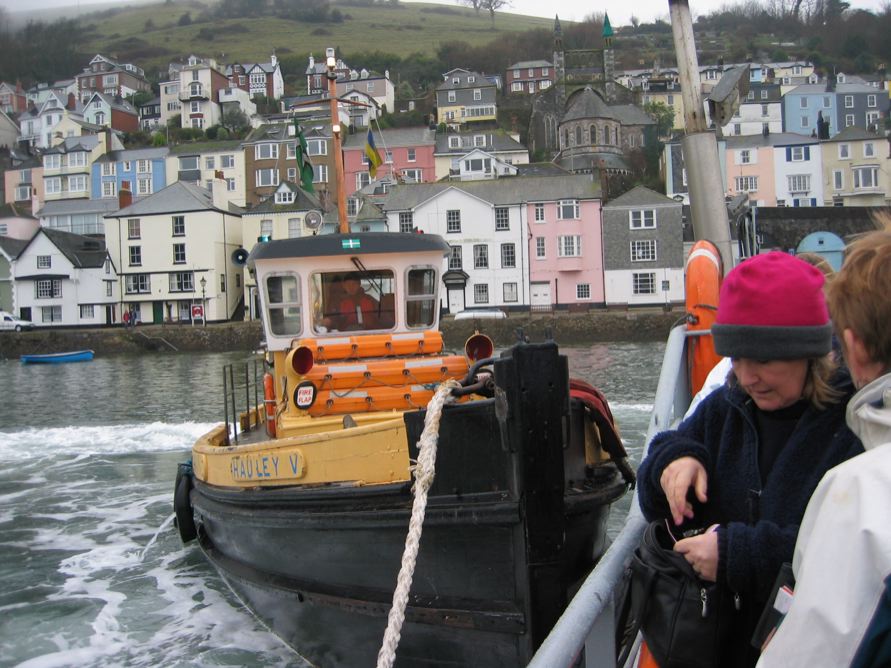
point(818, 390)
point(858, 296)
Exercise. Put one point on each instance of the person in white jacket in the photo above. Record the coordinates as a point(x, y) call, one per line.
point(840, 614)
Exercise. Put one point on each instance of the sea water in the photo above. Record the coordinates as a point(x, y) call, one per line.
point(92, 571)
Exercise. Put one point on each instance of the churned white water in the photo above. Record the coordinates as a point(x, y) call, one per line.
point(92, 571)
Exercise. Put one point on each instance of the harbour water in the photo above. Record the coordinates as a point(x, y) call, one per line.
point(92, 572)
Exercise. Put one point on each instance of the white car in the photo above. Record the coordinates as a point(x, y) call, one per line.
point(10, 322)
point(482, 313)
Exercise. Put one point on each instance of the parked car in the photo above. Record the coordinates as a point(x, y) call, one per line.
point(10, 322)
point(482, 313)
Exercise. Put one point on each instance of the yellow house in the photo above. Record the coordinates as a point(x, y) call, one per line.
point(856, 169)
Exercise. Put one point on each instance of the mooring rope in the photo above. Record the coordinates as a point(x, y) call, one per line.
point(424, 472)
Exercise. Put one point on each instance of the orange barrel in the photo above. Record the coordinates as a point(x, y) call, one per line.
point(386, 371)
point(428, 342)
point(269, 403)
point(704, 272)
point(366, 400)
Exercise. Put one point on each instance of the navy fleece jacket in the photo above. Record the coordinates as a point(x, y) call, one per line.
point(758, 518)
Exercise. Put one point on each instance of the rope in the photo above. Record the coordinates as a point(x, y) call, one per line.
point(424, 472)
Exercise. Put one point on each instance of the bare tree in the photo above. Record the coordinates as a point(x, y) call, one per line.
point(492, 6)
point(476, 4)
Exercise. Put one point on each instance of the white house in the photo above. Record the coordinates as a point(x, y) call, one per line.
point(66, 279)
point(174, 252)
point(798, 169)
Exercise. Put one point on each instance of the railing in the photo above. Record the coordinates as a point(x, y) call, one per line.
point(588, 623)
point(242, 393)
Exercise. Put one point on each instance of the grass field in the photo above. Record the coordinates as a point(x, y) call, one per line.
point(150, 34)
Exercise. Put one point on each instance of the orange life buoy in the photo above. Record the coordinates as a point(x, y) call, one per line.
point(704, 272)
point(646, 659)
point(269, 403)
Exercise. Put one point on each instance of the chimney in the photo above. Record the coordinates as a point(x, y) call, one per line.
point(72, 102)
point(125, 195)
point(219, 192)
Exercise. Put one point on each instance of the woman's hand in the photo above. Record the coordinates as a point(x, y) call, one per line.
point(701, 552)
point(676, 479)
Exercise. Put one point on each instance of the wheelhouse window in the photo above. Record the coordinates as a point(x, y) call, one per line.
point(283, 304)
point(420, 300)
point(353, 301)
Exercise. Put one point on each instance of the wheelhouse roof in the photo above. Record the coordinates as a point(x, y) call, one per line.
point(349, 245)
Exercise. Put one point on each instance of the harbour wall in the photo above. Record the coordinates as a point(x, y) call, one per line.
point(566, 328)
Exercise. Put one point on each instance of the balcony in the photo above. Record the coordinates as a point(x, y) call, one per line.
point(195, 93)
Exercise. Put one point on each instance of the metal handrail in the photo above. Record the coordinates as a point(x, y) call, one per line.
point(588, 623)
point(250, 381)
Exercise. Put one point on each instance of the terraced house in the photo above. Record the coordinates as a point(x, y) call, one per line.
point(465, 97)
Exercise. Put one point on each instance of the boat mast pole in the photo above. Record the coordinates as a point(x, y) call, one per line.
point(331, 64)
point(699, 145)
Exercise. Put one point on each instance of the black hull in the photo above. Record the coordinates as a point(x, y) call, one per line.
point(514, 521)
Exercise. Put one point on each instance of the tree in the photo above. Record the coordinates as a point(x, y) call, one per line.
point(476, 4)
point(492, 6)
point(234, 120)
point(663, 115)
point(185, 19)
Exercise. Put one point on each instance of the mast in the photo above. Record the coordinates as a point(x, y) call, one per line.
point(331, 64)
point(699, 145)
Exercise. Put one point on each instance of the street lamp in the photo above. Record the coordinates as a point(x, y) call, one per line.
point(203, 283)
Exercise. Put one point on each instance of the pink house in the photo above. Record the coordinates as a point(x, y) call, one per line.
point(750, 168)
point(23, 185)
point(565, 251)
point(407, 152)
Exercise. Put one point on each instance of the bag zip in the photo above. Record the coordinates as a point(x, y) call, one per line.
point(703, 596)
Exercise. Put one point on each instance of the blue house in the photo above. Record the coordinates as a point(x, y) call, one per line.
point(842, 105)
point(143, 169)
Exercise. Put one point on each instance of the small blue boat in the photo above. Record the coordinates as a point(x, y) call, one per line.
point(58, 358)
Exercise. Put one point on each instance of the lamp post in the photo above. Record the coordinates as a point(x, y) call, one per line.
point(203, 283)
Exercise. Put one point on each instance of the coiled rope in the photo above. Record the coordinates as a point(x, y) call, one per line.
point(424, 472)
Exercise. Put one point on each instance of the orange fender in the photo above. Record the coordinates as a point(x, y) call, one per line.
point(704, 272)
point(269, 403)
point(646, 659)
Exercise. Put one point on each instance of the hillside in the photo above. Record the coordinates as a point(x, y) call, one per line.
point(154, 34)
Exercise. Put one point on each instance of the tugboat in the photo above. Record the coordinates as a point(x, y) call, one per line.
point(302, 499)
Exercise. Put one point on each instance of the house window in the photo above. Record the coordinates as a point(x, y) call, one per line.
point(746, 184)
point(52, 161)
point(454, 142)
point(643, 250)
point(643, 219)
point(266, 228)
point(510, 292)
point(86, 312)
point(802, 102)
point(135, 254)
point(763, 94)
point(805, 122)
point(539, 213)
point(49, 288)
point(412, 175)
point(502, 219)
point(222, 283)
point(181, 281)
point(178, 224)
point(51, 313)
point(799, 183)
point(798, 154)
point(480, 256)
point(508, 256)
point(266, 151)
point(849, 120)
point(453, 221)
point(44, 261)
point(412, 156)
point(230, 185)
point(455, 259)
point(133, 228)
point(208, 162)
point(362, 180)
point(869, 150)
point(77, 159)
point(764, 110)
point(452, 96)
point(870, 100)
point(737, 128)
point(267, 177)
point(745, 157)
point(481, 293)
point(179, 253)
point(583, 291)
point(866, 177)
point(320, 174)
point(569, 246)
point(849, 101)
point(187, 163)
point(643, 283)
point(108, 169)
point(293, 228)
point(540, 248)
point(406, 221)
point(52, 186)
point(227, 161)
point(108, 189)
point(568, 209)
point(144, 186)
point(838, 179)
point(477, 94)
point(145, 166)
point(844, 151)
point(77, 183)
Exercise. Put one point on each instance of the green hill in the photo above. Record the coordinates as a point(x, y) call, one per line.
point(152, 35)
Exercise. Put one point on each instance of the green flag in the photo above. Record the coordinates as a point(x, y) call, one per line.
point(303, 164)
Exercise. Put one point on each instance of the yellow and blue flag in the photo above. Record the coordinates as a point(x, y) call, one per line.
point(374, 159)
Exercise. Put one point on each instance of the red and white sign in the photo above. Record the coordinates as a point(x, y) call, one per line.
point(197, 312)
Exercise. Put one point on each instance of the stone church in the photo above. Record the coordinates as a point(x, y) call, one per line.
point(586, 121)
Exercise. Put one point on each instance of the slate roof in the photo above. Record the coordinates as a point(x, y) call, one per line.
point(772, 139)
point(496, 140)
point(193, 148)
point(526, 64)
point(178, 197)
point(640, 195)
point(12, 247)
point(61, 207)
point(587, 103)
point(499, 192)
point(81, 251)
point(592, 161)
point(853, 133)
point(134, 154)
point(70, 144)
point(839, 89)
point(540, 169)
point(303, 201)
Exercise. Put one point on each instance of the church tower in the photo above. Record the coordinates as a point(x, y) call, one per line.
point(559, 65)
point(609, 61)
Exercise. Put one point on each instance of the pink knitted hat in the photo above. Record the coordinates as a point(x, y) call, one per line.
point(772, 307)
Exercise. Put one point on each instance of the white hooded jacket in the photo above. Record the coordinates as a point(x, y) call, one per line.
point(843, 551)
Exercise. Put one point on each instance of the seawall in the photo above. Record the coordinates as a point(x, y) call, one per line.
point(567, 328)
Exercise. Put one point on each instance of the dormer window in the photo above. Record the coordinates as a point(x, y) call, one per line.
point(471, 79)
point(284, 197)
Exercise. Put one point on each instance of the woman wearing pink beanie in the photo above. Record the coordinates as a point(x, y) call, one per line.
point(748, 459)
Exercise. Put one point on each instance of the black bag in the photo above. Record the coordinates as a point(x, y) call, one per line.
point(684, 620)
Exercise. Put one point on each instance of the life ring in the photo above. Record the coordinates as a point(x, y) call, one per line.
point(269, 403)
point(184, 519)
point(704, 272)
